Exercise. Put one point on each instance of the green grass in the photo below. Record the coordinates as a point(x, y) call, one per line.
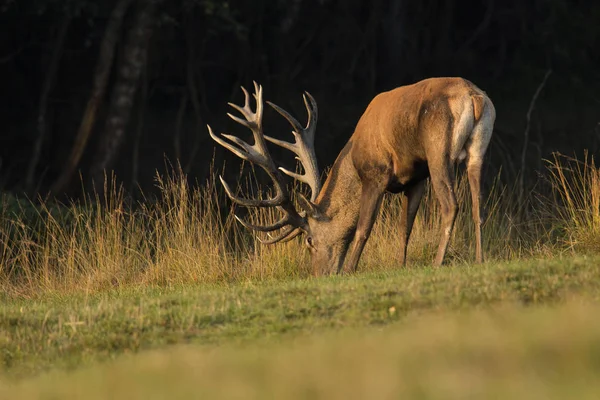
point(70, 331)
point(503, 353)
point(515, 330)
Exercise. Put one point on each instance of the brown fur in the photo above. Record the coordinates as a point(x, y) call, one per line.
point(404, 136)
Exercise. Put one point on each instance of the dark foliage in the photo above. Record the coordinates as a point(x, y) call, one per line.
point(343, 52)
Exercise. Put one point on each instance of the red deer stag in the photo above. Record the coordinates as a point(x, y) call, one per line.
point(404, 136)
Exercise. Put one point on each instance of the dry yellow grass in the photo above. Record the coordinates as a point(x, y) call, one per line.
point(189, 235)
point(576, 203)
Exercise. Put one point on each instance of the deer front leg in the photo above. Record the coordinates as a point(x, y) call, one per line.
point(370, 200)
point(410, 205)
point(443, 187)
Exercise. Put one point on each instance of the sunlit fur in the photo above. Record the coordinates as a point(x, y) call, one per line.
point(405, 136)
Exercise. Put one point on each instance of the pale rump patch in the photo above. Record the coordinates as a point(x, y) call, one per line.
point(463, 114)
point(472, 134)
point(482, 134)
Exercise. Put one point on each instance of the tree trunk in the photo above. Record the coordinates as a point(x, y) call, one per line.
point(122, 99)
point(43, 107)
point(101, 75)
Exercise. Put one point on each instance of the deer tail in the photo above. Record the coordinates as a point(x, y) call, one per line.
point(478, 104)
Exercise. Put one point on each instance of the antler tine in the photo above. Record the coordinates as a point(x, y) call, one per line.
point(303, 146)
point(285, 236)
point(268, 228)
point(258, 154)
point(248, 153)
point(259, 101)
point(313, 114)
point(272, 202)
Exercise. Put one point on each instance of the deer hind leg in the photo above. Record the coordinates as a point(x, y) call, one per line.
point(443, 186)
point(410, 205)
point(476, 148)
point(474, 166)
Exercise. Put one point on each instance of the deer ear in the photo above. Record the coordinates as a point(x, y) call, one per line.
point(311, 209)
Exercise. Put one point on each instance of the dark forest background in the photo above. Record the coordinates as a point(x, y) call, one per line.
point(125, 85)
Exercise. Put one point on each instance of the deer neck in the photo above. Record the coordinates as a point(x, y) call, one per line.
point(339, 199)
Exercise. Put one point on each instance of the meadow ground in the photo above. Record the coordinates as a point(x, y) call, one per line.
point(172, 299)
point(526, 328)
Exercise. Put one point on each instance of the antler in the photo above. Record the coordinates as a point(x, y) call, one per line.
point(304, 145)
point(259, 154)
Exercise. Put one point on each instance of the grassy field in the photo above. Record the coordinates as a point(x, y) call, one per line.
point(69, 331)
point(171, 298)
point(501, 352)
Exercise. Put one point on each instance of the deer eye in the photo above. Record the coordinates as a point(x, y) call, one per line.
point(309, 241)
